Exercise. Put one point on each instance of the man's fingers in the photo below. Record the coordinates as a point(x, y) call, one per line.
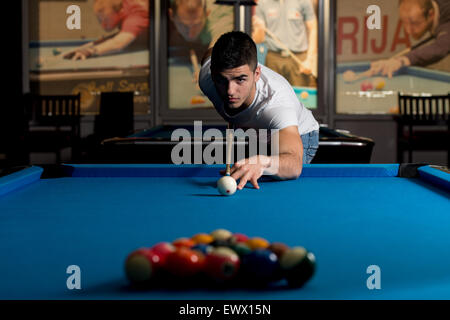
point(254, 182)
point(242, 182)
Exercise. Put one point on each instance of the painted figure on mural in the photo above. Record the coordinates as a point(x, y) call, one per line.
point(132, 19)
point(289, 28)
point(419, 18)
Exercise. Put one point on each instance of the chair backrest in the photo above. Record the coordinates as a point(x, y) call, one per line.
point(53, 110)
point(424, 110)
point(116, 118)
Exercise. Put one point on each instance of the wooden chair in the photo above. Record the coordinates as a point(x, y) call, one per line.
point(426, 120)
point(53, 123)
point(116, 118)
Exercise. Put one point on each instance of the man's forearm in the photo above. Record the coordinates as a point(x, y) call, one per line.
point(284, 166)
point(119, 42)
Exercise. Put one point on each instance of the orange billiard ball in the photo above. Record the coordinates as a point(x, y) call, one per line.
point(257, 243)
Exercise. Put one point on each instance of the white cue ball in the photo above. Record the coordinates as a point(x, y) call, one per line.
point(227, 185)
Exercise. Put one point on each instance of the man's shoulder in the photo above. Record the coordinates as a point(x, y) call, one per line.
point(274, 80)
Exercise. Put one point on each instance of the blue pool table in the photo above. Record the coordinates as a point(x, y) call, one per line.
point(350, 216)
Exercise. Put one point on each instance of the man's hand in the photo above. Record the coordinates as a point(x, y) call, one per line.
point(387, 67)
point(81, 53)
point(286, 163)
point(307, 66)
point(250, 169)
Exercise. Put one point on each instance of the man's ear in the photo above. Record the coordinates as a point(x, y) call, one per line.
point(431, 13)
point(170, 13)
point(257, 73)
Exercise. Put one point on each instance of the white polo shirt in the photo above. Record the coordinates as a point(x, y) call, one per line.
point(275, 105)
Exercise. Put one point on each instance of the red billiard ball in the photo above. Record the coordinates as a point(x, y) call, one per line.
point(184, 262)
point(366, 86)
point(141, 265)
point(222, 264)
point(298, 266)
point(238, 237)
point(163, 249)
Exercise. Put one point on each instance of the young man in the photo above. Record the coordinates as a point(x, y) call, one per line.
point(419, 17)
point(249, 95)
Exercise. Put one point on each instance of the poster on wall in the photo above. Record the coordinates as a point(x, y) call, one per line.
point(193, 27)
point(387, 48)
point(286, 34)
point(90, 47)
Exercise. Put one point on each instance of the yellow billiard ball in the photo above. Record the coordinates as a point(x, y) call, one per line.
point(379, 83)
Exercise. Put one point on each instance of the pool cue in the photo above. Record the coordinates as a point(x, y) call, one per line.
point(194, 61)
point(195, 66)
point(281, 44)
point(405, 51)
point(229, 149)
point(71, 52)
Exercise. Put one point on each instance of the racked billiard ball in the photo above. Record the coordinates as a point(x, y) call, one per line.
point(202, 238)
point(221, 234)
point(257, 243)
point(238, 237)
point(240, 248)
point(298, 266)
point(141, 265)
point(163, 249)
point(183, 242)
point(184, 262)
point(222, 264)
point(203, 248)
point(260, 266)
point(278, 248)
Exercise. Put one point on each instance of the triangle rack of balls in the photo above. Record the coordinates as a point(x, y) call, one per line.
point(220, 258)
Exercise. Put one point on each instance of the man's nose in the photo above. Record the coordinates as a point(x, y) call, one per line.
point(407, 28)
point(231, 88)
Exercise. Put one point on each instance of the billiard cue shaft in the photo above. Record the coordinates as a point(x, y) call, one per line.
point(229, 148)
point(194, 62)
point(403, 52)
point(285, 47)
point(84, 46)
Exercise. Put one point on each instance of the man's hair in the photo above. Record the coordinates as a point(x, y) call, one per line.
point(232, 50)
point(191, 4)
point(100, 5)
point(425, 5)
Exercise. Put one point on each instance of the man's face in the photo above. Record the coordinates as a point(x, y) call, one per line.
point(106, 15)
point(237, 86)
point(189, 22)
point(414, 20)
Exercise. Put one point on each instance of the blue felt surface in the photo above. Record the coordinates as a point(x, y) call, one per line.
point(349, 223)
